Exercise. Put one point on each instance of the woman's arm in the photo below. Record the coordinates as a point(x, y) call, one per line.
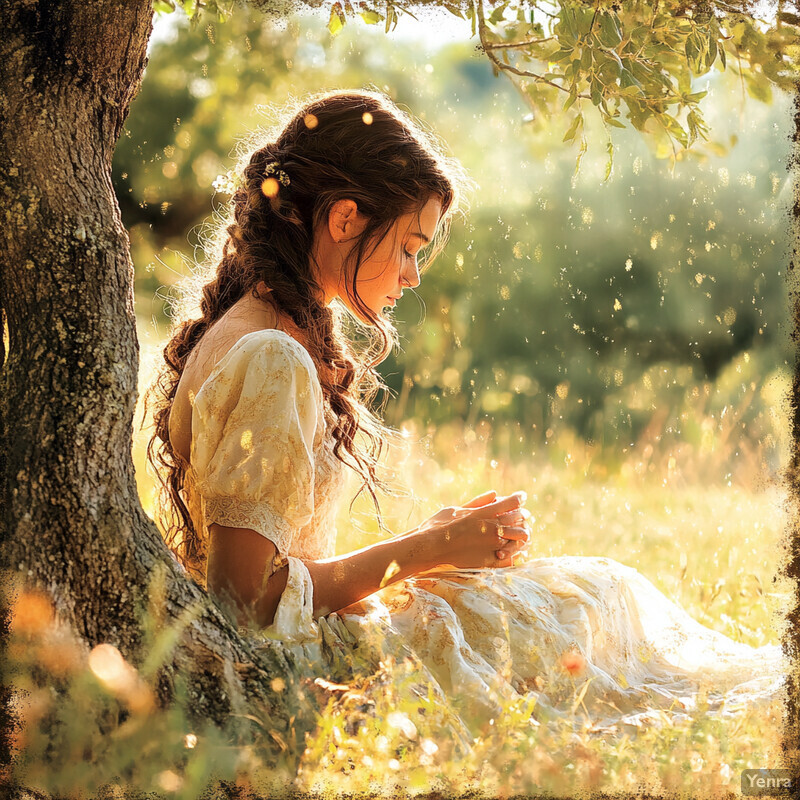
point(239, 557)
point(239, 560)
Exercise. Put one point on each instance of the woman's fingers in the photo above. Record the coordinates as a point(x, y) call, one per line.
point(511, 546)
point(518, 515)
point(515, 533)
point(511, 558)
point(481, 499)
point(511, 540)
point(500, 506)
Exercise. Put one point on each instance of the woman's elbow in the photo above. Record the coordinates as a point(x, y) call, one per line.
point(239, 565)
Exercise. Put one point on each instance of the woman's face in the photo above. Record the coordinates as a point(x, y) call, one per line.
point(393, 265)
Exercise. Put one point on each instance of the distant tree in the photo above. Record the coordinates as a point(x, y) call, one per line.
point(69, 70)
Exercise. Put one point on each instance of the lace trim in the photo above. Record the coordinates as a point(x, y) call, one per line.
point(236, 513)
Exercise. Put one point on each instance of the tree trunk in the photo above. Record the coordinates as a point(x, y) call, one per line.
point(70, 513)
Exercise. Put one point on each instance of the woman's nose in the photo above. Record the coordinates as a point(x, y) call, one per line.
point(411, 277)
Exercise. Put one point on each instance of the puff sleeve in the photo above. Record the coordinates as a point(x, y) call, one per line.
point(254, 423)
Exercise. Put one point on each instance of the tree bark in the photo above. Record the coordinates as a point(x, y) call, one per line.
point(71, 518)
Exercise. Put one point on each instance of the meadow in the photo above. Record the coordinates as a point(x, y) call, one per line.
point(709, 542)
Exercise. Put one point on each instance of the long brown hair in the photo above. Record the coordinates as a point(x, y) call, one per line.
point(343, 144)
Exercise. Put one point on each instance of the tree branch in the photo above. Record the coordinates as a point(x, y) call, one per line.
point(483, 30)
point(526, 43)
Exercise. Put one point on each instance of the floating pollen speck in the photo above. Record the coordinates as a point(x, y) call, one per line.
point(366, 118)
point(270, 187)
point(310, 121)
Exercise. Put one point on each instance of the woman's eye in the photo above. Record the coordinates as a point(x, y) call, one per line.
point(409, 255)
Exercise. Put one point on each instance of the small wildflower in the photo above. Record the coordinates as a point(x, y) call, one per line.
point(225, 184)
point(573, 662)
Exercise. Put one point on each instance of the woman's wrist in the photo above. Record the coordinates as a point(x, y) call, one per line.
point(426, 548)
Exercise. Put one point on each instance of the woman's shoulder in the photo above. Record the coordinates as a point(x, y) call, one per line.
point(261, 361)
point(272, 346)
point(265, 365)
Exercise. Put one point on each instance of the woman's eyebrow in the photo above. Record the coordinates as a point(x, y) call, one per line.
point(421, 236)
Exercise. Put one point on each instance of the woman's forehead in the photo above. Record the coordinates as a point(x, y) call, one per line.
point(422, 221)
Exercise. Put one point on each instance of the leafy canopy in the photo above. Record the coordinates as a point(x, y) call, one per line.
point(602, 57)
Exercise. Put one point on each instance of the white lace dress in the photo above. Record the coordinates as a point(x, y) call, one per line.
point(262, 458)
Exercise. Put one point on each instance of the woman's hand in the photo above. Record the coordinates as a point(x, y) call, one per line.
point(451, 512)
point(470, 537)
point(511, 522)
point(516, 541)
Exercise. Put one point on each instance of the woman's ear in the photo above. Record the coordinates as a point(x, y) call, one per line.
point(344, 220)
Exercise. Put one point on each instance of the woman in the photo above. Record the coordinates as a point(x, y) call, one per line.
point(264, 400)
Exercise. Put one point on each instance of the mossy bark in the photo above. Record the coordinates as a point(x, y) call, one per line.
point(71, 518)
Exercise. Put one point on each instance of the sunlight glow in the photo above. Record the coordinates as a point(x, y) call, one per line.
point(270, 187)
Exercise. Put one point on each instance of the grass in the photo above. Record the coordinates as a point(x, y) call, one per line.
point(707, 535)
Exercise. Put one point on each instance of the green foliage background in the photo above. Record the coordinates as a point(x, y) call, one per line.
point(567, 301)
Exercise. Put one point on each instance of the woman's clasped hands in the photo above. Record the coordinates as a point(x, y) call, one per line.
point(487, 531)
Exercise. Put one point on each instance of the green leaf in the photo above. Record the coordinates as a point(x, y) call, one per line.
point(610, 163)
point(455, 11)
point(691, 122)
point(642, 73)
point(584, 146)
point(615, 123)
point(696, 96)
point(711, 56)
point(371, 17)
point(471, 15)
point(722, 57)
point(610, 34)
point(391, 17)
point(596, 91)
point(674, 127)
point(610, 69)
point(573, 129)
point(573, 96)
point(163, 6)
point(560, 55)
point(498, 14)
point(572, 22)
point(627, 80)
point(691, 48)
point(336, 21)
point(758, 88)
